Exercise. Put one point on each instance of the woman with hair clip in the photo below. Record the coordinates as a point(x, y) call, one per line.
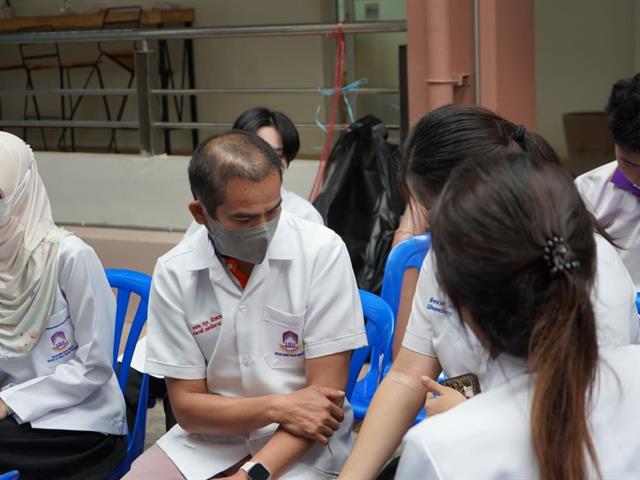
point(62, 413)
point(433, 339)
point(516, 257)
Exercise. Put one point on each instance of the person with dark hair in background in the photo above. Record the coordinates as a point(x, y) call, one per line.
point(612, 191)
point(516, 257)
point(281, 134)
point(252, 320)
point(434, 339)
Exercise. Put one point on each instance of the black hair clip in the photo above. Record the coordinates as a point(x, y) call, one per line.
point(558, 256)
point(519, 133)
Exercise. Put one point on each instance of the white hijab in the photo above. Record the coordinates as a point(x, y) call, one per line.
point(29, 247)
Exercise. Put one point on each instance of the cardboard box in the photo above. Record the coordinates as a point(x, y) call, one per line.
point(589, 140)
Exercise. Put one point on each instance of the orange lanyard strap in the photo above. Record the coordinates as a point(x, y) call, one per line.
point(232, 266)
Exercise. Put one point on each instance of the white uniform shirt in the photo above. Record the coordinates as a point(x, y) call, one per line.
point(291, 202)
point(617, 210)
point(67, 382)
point(300, 207)
point(300, 303)
point(489, 436)
point(435, 329)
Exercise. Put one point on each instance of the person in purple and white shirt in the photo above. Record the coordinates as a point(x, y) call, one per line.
point(612, 191)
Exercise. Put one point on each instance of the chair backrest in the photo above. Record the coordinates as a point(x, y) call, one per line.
point(379, 325)
point(127, 282)
point(409, 253)
point(121, 18)
point(13, 475)
point(38, 51)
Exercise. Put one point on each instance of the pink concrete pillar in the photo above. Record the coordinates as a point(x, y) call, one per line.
point(507, 59)
point(440, 53)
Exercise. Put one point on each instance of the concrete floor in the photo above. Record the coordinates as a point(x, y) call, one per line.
point(155, 425)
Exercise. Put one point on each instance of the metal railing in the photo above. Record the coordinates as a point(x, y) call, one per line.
point(147, 89)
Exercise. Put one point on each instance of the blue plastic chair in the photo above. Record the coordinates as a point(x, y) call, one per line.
point(409, 253)
point(12, 475)
point(379, 325)
point(638, 302)
point(127, 282)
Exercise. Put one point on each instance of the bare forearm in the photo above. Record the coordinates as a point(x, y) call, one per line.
point(218, 415)
point(391, 413)
point(282, 450)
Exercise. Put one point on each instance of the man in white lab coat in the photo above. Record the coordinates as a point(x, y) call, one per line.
point(251, 320)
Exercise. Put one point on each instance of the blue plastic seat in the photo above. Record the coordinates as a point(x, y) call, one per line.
point(379, 325)
point(12, 475)
point(409, 253)
point(127, 282)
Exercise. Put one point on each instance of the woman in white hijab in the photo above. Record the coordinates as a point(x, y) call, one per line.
point(61, 411)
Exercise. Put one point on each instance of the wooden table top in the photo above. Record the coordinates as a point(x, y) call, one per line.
point(93, 20)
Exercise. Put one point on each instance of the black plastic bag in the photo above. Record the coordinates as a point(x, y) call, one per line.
point(361, 199)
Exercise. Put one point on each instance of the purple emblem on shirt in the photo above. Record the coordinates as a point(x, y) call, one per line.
point(59, 340)
point(624, 183)
point(290, 341)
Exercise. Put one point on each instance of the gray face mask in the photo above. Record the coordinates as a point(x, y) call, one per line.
point(246, 244)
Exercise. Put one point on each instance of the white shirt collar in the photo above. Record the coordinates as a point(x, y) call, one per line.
point(202, 255)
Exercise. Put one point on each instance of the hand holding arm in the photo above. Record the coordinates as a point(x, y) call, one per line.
point(284, 448)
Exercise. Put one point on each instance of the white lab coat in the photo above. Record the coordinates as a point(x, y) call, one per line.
point(489, 436)
point(435, 329)
point(67, 381)
point(300, 303)
point(617, 210)
point(300, 207)
point(291, 202)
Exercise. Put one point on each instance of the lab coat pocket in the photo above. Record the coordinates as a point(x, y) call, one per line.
point(58, 342)
point(282, 342)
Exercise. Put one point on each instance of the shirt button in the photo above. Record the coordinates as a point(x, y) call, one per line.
point(242, 308)
point(246, 361)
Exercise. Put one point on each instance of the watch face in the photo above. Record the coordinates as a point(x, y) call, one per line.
point(258, 472)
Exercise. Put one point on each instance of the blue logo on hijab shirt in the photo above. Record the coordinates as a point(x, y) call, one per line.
point(438, 306)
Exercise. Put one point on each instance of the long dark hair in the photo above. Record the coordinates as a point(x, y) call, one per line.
point(491, 225)
point(445, 137)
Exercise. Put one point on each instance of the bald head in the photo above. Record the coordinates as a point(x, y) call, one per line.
point(234, 154)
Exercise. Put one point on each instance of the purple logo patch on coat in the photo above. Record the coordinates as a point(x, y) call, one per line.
point(290, 341)
point(59, 341)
